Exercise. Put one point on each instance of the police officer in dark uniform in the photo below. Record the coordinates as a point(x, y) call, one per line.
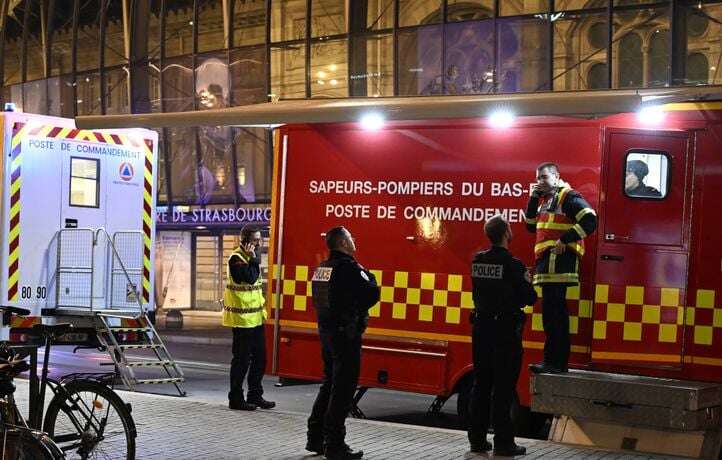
point(501, 288)
point(343, 292)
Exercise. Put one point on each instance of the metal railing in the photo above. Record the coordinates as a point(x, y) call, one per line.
point(77, 267)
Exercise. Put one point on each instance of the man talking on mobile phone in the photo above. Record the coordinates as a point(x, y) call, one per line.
point(561, 219)
point(244, 311)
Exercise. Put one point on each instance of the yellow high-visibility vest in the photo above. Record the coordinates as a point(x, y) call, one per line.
point(243, 303)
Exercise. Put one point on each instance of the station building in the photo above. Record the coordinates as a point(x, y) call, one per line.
point(96, 57)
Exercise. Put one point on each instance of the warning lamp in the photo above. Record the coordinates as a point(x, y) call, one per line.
point(651, 115)
point(501, 119)
point(372, 122)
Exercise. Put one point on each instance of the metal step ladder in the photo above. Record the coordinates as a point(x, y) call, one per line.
point(97, 281)
point(150, 353)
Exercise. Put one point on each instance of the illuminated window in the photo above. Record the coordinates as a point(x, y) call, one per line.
point(84, 182)
point(646, 175)
point(242, 176)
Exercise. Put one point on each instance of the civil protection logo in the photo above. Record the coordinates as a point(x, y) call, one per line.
point(126, 171)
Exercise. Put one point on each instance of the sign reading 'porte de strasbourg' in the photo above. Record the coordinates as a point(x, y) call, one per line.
point(182, 215)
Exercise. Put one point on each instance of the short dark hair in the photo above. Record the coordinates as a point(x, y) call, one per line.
point(248, 230)
point(549, 165)
point(495, 229)
point(334, 237)
point(638, 168)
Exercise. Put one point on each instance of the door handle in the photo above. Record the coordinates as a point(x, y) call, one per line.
point(613, 237)
point(614, 258)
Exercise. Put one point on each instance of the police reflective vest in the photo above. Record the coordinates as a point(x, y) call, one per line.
point(552, 223)
point(243, 303)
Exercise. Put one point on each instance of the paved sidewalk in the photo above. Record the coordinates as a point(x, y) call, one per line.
point(180, 428)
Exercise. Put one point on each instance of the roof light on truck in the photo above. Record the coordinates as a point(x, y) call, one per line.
point(651, 115)
point(501, 119)
point(372, 122)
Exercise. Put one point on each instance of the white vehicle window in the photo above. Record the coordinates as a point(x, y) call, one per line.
point(646, 175)
point(84, 182)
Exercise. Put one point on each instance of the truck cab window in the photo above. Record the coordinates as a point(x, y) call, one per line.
point(84, 182)
point(646, 175)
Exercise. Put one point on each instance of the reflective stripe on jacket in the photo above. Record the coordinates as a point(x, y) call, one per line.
point(551, 224)
point(243, 303)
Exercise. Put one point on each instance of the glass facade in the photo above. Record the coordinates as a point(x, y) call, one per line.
point(81, 57)
point(73, 57)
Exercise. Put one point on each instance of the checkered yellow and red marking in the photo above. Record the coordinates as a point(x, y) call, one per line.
point(409, 300)
point(22, 130)
point(632, 323)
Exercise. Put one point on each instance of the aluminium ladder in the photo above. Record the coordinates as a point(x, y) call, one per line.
point(96, 280)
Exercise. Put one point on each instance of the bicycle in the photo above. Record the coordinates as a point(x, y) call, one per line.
point(19, 440)
point(85, 418)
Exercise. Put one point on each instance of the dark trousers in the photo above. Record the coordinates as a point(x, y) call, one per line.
point(555, 318)
point(341, 355)
point(249, 357)
point(497, 352)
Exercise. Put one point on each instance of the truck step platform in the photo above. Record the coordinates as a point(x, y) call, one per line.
point(118, 338)
point(634, 400)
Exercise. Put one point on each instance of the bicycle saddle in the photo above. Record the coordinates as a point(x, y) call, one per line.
point(51, 330)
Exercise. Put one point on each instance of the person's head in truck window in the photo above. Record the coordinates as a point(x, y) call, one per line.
point(634, 185)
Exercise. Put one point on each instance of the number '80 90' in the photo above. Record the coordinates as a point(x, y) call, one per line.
point(26, 292)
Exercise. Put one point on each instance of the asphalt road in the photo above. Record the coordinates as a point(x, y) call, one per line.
point(206, 370)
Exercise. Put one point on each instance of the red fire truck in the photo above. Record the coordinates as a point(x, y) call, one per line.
point(415, 195)
point(416, 191)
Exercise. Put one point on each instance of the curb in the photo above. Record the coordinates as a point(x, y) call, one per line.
point(200, 365)
point(196, 340)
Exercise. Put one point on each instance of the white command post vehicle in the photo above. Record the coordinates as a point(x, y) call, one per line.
point(78, 232)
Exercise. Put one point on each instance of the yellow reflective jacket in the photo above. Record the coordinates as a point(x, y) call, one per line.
point(243, 303)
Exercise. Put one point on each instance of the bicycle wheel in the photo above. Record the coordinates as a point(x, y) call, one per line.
point(91, 422)
point(22, 444)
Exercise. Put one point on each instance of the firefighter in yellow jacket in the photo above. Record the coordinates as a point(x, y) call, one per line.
point(244, 311)
point(561, 219)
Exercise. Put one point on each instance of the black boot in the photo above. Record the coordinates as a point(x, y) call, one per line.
point(546, 368)
point(262, 403)
point(509, 450)
point(343, 452)
point(241, 405)
point(480, 447)
point(315, 447)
